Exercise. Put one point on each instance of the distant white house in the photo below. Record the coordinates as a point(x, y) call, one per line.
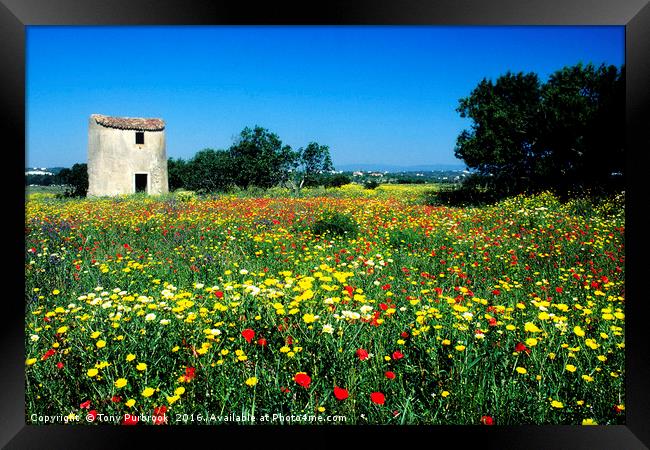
point(38, 171)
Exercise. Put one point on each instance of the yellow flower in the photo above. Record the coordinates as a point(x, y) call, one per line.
point(30, 361)
point(445, 393)
point(446, 342)
point(252, 381)
point(95, 335)
point(521, 370)
point(92, 372)
point(460, 348)
point(557, 404)
point(173, 399)
point(120, 382)
point(531, 342)
point(309, 318)
point(101, 344)
point(531, 327)
point(130, 403)
point(570, 367)
point(587, 378)
point(62, 330)
point(589, 422)
point(179, 390)
point(578, 331)
point(321, 409)
point(284, 349)
point(148, 392)
point(130, 357)
point(141, 367)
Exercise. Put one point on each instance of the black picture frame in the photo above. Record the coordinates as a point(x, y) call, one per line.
point(15, 15)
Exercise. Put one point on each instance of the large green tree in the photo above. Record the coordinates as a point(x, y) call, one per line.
point(505, 116)
point(209, 171)
point(260, 159)
point(566, 134)
point(310, 166)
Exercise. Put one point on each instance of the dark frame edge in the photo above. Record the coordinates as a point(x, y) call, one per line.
point(12, 118)
point(637, 49)
point(13, 430)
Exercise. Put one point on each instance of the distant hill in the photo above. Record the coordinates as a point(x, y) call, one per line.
point(395, 168)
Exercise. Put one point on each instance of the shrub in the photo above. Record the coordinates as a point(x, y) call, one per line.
point(335, 223)
point(372, 184)
point(185, 196)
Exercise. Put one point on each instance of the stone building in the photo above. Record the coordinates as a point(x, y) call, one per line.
point(126, 155)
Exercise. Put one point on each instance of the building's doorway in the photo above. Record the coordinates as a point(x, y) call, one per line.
point(141, 182)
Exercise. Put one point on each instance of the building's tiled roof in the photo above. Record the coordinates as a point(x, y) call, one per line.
point(130, 123)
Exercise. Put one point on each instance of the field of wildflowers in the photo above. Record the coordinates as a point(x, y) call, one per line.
point(231, 308)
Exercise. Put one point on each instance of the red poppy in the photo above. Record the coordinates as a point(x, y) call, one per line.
point(383, 306)
point(390, 375)
point(91, 416)
point(129, 419)
point(487, 420)
point(219, 294)
point(248, 334)
point(386, 287)
point(116, 399)
point(159, 415)
point(190, 373)
point(520, 347)
point(398, 355)
point(289, 340)
point(85, 405)
point(60, 365)
point(262, 342)
point(362, 354)
point(496, 292)
point(302, 379)
point(378, 398)
point(350, 290)
point(127, 246)
point(285, 390)
point(340, 393)
point(559, 290)
point(404, 334)
point(48, 353)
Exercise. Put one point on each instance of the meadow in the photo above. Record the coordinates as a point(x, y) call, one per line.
point(346, 306)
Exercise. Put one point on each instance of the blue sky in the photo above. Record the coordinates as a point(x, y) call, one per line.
point(372, 94)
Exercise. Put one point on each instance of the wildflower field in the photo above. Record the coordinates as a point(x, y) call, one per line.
point(360, 307)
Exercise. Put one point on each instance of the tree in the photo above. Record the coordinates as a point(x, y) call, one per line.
point(582, 134)
point(503, 134)
point(177, 173)
point(566, 134)
point(260, 159)
point(75, 180)
point(310, 165)
point(210, 170)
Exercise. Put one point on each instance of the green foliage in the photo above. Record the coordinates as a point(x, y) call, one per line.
point(406, 238)
point(337, 224)
point(337, 180)
point(260, 159)
point(566, 134)
point(209, 171)
point(185, 196)
point(371, 184)
point(176, 173)
point(75, 180)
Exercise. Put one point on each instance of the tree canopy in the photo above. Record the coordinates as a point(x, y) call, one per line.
point(565, 134)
